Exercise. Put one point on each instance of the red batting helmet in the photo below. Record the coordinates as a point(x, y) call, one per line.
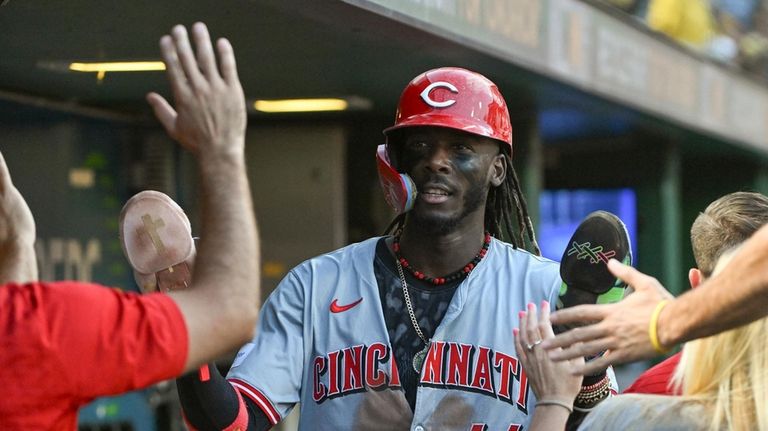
point(447, 97)
point(455, 98)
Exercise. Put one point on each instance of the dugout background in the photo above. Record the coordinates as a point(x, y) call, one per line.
point(597, 102)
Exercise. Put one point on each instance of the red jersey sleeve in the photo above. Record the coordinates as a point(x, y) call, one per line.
point(86, 340)
point(657, 379)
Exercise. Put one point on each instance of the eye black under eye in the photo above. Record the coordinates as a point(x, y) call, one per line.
point(463, 147)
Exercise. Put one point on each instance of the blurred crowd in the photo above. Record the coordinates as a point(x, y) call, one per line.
point(734, 32)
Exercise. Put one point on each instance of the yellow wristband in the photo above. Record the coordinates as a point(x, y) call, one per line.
point(652, 334)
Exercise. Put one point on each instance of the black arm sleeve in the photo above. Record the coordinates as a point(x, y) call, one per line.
point(212, 405)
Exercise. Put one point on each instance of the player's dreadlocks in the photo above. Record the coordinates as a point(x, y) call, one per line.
point(506, 212)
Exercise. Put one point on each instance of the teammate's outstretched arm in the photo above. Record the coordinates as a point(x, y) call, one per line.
point(621, 329)
point(736, 296)
point(208, 118)
point(18, 262)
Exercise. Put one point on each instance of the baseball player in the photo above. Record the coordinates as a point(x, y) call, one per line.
point(412, 330)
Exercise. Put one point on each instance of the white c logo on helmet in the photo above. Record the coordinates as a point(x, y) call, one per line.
point(433, 103)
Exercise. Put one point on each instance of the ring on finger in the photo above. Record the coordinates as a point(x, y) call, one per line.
point(531, 346)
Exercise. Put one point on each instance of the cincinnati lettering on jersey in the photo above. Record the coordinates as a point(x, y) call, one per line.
point(448, 365)
point(354, 369)
point(475, 369)
point(484, 427)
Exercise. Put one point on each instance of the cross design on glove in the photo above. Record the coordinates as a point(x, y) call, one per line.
point(151, 227)
point(586, 250)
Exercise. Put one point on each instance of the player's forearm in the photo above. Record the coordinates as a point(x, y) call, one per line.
point(221, 307)
point(738, 295)
point(18, 262)
point(229, 251)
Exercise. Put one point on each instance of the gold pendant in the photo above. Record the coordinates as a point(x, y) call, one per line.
point(418, 358)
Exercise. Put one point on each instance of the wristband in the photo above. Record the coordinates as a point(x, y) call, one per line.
point(546, 402)
point(652, 326)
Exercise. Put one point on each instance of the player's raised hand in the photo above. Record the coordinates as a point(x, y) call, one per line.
point(621, 329)
point(208, 116)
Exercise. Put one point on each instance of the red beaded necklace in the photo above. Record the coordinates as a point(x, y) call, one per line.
point(437, 281)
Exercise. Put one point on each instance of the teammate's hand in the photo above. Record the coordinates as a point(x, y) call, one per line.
point(550, 380)
point(621, 328)
point(209, 116)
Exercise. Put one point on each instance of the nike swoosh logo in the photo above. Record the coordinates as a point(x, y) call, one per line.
point(336, 308)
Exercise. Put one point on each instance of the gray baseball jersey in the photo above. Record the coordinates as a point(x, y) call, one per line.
point(322, 341)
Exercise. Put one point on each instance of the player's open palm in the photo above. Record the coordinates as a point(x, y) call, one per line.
point(209, 116)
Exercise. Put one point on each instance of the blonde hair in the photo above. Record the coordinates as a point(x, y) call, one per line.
point(725, 223)
point(729, 373)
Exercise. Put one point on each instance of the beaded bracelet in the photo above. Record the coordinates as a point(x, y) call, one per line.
point(547, 402)
point(596, 393)
point(652, 326)
point(588, 401)
point(597, 387)
point(594, 386)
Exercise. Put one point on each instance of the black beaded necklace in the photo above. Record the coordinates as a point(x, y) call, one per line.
point(437, 281)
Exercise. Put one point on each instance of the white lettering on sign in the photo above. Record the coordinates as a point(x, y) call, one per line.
point(672, 80)
point(570, 46)
point(425, 95)
point(713, 94)
point(745, 109)
point(514, 20)
point(622, 63)
point(64, 258)
point(605, 56)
